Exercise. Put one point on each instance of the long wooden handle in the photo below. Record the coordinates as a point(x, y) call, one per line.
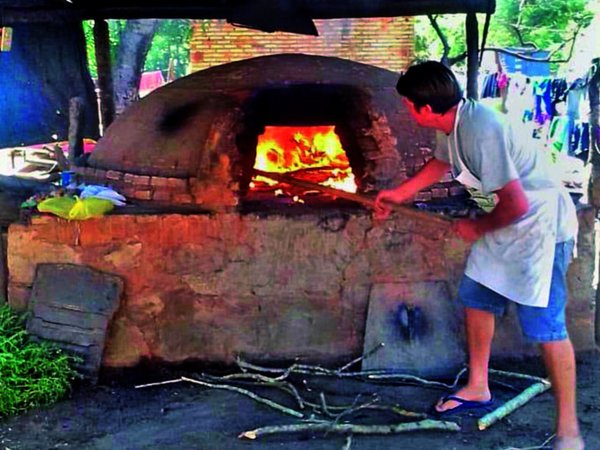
point(362, 199)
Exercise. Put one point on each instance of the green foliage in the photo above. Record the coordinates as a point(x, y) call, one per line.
point(31, 373)
point(171, 43)
point(429, 46)
point(547, 24)
point(88, 32)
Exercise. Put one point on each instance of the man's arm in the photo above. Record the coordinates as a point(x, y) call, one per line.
point(512, 204)
point(431, 173)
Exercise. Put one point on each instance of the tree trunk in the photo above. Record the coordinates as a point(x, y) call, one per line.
point(105, 81)
point(76, 122)
point(133, 46)
point(472, 32)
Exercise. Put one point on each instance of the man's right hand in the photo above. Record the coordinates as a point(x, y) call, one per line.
point(431, 173)
point(386, 198)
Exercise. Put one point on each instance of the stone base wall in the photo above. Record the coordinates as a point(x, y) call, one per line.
point(211, 287)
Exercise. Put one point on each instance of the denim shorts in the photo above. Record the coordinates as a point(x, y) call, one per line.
point(537, 324)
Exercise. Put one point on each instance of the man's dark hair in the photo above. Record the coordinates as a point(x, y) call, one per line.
point(430, 83)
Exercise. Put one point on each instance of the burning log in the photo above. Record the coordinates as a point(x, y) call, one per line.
point(361, 199)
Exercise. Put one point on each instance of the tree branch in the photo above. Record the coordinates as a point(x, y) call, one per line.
point(442, 36)
point(517, 31)
point(346, 428)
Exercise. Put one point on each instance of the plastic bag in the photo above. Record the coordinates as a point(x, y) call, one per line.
point(60, 206)
point(74, 208)
point(103, 192)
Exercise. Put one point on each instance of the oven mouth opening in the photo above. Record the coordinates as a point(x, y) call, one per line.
point(312, 155)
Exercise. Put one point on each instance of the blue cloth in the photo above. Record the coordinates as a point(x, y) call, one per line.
point(44, 69)
point(537, 324)
point(542, 90)
point(490, 86)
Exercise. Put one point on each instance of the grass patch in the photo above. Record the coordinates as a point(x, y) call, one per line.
point(32, 373)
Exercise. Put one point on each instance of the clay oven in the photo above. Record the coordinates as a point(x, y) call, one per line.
point(194, 142)
point(218, 264)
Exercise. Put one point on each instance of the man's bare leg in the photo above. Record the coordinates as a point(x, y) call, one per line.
point(480, 332)
point(559, 358)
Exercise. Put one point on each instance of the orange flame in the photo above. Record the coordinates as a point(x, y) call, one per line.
point(288, 149)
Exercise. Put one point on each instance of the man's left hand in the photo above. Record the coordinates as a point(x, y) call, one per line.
point(467, 229)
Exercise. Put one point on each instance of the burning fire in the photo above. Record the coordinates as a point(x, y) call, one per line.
point(311, 153)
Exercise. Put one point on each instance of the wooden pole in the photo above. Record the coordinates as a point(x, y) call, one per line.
point(472, 32)
point(105, 79)
point(76, 119)
point(361, 199)
point(594, 159)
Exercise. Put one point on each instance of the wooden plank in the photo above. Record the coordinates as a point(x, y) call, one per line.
point(72, 306)
point(76, 287)
point(59, 332)
point(82, 319)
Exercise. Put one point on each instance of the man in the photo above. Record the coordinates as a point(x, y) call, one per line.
point(520, 250)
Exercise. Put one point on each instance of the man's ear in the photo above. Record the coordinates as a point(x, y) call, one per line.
point(426, 109)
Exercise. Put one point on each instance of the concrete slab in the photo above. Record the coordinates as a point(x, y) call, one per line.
point(420, 327)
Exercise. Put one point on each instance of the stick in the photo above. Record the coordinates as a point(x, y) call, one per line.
point(160, 383)
point(360, 358)
point(348, 443)
point(346, 428)
point(522, 376)
point(504, 410)
point(415, 379)
point(247, 393)
point(537, 447)
point(363, 200)
point(261, 380)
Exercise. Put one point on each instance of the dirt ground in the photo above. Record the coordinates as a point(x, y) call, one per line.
point(115, 415)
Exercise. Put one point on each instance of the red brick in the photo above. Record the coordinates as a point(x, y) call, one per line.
point(145, 194)
point(162, 196)
point(423, 196)
point(439, 192)
point(182, 198)
point(114, 175)
point(128, 178)
point(159, 181)
point(177, 184)
point(394, 36)
point(141, 180)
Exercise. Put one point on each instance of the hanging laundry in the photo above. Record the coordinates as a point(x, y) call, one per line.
point(542, 89)
point(490, 86)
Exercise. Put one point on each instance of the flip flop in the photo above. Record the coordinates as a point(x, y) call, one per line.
point(463, 405)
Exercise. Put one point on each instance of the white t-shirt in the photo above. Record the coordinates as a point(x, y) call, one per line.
point(516, 260)
point(496, 154)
